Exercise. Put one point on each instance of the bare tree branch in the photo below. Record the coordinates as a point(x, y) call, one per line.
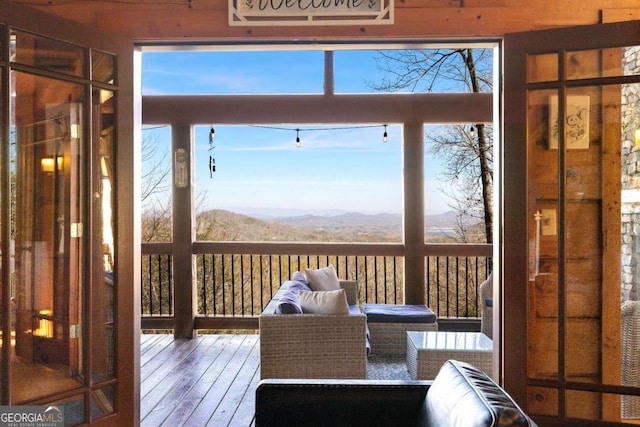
point(468, 159)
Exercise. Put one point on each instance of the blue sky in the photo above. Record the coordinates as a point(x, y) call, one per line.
point(343, 168)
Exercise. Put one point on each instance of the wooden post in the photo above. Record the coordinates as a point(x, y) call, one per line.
point(185, 303)
point(413, 221)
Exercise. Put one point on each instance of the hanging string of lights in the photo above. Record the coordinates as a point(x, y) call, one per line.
point(298, 130)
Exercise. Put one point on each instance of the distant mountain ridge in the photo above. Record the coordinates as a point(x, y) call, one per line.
point(225, 225)
point(301, 217)
point(314, 225)
point(350, 220)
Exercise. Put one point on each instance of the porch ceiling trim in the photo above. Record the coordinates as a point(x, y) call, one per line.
point(294, 109)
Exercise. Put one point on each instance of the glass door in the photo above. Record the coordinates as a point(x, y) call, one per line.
point(61, 96)
point(571, 107)
point(48, 163)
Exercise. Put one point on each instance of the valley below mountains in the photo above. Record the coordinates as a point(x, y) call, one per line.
point(226, 225)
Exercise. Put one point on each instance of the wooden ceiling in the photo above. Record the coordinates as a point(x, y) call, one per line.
point(207, 20)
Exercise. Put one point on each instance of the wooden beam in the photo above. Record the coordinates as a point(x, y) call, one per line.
point(301, 109)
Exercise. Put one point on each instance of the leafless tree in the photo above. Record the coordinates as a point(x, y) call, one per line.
point(467, 155)
point(156, 185)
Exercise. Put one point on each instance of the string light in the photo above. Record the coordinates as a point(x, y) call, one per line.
point(385, 135)
point(472, 131)
point(212, 135)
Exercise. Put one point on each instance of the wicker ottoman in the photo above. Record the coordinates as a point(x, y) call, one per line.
point(388, 325)
point(427, 352)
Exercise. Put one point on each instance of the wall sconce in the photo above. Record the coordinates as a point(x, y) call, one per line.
point(51, 164)
point(47, 164)
point(636, 137)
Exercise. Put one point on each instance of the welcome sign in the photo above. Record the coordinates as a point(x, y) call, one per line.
point(310, 12)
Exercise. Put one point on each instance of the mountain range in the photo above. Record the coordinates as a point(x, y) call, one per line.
point(320, 226)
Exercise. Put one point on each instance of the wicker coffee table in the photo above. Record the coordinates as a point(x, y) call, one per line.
point(427, 351)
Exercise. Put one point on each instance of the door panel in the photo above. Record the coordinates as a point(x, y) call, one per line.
point(48, 160)
point(67, 110)
point(571, 110)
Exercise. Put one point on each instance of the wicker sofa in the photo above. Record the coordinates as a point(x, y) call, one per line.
point(313, 345)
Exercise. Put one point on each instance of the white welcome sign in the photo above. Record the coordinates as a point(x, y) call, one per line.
point(310, 12)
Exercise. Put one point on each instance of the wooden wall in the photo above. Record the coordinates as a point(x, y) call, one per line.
point(208, 19)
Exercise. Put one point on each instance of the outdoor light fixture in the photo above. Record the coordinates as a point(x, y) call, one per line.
point(298, 144)
point(472, 131)
point(181, 168)
point(385, 136)
point(212, 135)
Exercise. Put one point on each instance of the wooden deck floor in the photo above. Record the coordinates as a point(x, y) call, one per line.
point(211, 380)
point(206, 381)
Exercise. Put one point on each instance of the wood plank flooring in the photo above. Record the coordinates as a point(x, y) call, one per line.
point(211, 380)
point(206, 381)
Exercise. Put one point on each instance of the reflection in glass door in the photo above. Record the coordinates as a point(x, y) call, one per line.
point(62, 285)
point(48, 235)
point(583, 136)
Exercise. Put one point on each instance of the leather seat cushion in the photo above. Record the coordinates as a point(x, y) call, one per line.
point(463, 396)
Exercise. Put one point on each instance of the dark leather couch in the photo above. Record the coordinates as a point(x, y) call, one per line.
point(459, 396)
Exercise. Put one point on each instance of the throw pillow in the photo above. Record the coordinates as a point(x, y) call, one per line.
point(324, 302)
point(299, 282)
point(323, 279)
point(289, 301)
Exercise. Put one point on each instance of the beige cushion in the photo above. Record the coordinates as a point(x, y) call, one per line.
point(323, 279)
point(324, 302)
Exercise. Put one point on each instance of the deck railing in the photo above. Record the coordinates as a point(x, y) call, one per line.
point(238, 280)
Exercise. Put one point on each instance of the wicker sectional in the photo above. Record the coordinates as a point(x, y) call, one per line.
point(313, 345)
point(388, 326)
point(390, 339)
point(427, 351)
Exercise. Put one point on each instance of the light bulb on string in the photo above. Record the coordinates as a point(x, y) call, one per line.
point(298, 144)
point(385, 136)
point(472, 131)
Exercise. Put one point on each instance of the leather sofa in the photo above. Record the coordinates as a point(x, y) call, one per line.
point(459, 396)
